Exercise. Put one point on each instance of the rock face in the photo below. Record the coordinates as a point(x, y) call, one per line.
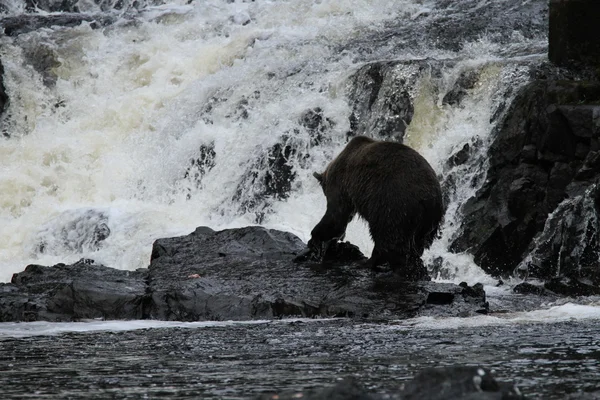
point(572, 32)
point(544, 155)
point(24, 23)
point(71, 292)
point(448, 383)
point(235, 274)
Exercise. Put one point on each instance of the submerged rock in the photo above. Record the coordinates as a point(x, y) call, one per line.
point(234, 274)
point(447, 383)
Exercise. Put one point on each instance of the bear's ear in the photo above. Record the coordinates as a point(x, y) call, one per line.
point(318, 176)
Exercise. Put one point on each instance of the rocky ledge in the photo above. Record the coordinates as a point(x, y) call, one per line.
point(234, 274)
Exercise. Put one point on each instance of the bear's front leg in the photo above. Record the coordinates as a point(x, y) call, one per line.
point(328, 231)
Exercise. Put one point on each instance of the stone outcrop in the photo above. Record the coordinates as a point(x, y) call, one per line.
point(235, 274)
point(544, 155)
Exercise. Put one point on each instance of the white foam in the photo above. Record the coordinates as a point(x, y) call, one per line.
point(559, 313)
point(25, 329)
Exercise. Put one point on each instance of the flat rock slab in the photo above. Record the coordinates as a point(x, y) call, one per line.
point(234, 274)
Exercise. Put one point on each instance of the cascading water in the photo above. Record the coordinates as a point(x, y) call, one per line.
point(216, 113)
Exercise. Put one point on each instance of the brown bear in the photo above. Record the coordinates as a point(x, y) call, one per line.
point(394, 189)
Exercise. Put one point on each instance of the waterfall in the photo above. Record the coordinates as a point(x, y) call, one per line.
point(217, 113)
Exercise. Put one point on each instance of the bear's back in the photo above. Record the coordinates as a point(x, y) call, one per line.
point(387, 161)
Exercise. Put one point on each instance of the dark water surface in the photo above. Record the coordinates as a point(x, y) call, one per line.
point(547, 361)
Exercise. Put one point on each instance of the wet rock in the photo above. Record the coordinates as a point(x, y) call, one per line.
point(72, 292)
point(572, 287)
point(52, 5)
point(529, 288)
point(317, 125)
point(381, 103)
point(466, 80)
point(3, 94)
point(74, 231)
point(24, 23)
point(458, 382)
point(269, 178)
point(569, 244)
point(234, 274)
point(200, 166)
point(460, 157)
point(539, 150)
point(447, 383)
point(248, 273)
point(572, 37)
point(347, 389)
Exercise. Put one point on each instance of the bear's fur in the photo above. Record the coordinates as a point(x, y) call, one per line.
point(394, 189)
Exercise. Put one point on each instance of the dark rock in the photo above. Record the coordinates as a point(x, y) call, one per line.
point(74, 231)
point(572, 34)
point(234, 274)
point(529, 154)
point(452, 25)
point(347, 389)
point(589, 169)
point(52, 5)
point(3, 94)
point(569, 244)
point(572, 287)
point(466, 80)
point(381, 104)
point(3, 100)
point(70, 6)
point(447, 383)
point(71, 292)
point(269, 178)
point(529, 288)
point(458, 382)
point(460, 157)
point(14, 26)
point(535, 160)
point(248, 273)
point(316, 124)
point(200, 166)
